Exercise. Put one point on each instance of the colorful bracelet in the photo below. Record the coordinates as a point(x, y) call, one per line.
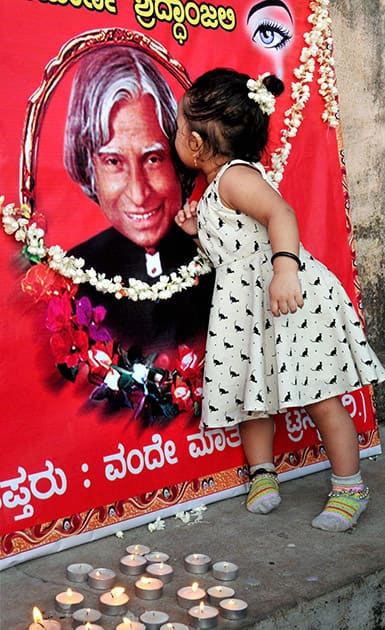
point(288, 255)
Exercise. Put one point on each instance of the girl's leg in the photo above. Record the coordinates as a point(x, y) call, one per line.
point(257, 440)
point(349, 496)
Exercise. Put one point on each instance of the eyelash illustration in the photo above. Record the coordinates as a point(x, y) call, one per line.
point(271, 35)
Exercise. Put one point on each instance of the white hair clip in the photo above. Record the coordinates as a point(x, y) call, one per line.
point(260, 94)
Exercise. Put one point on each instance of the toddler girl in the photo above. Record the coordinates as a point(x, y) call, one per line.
point(283, 332)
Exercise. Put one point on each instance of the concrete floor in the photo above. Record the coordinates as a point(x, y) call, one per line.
point(291, 575)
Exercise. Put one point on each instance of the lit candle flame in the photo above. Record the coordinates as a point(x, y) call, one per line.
point(145, 580)
point(194, 587)
point(161, 565)
point(69, 592)
point(201, 607)
point(88, 625)
point(127, 622)
point(37, 616)
point(97, 574)
point(117, 591)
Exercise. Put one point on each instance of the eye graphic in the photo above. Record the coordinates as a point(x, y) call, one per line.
point(270, 24)
point(270, 34)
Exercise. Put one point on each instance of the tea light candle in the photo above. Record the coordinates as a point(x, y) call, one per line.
point(133, 564)
point(215, 594)
point(89, 626)
point(148, 588)
point(233, 608)
point(138, 550)
point(101, 579)
point(78, 572)
point(84, 615)
point(189, 595)
point(43, 624)
point(68, 601)
point(114, 602)
point(154, 619)
point(157, 556)
point(174, 626)
point(203, 616)
point(130, 624)
point(161, 570)
point(197, 563)
point(225, 571)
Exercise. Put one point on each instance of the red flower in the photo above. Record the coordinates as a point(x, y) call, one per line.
point(197, 392)
point(99, 361)
point(181, 395)
point(42, 283)
point(70, 346)
point(188, 363)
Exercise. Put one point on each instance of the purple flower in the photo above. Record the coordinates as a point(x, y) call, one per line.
point(92, 318)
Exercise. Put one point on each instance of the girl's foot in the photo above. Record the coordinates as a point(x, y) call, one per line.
point(263, 492)
point(343, 509)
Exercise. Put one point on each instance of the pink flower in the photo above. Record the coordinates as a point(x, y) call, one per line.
point(59, 312)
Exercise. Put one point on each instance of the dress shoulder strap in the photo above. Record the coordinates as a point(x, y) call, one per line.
point(257, 165)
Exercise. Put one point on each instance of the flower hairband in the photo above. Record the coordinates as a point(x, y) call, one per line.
point(260, 94)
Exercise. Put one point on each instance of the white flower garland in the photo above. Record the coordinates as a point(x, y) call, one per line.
point(16, 222)
point(319, 46)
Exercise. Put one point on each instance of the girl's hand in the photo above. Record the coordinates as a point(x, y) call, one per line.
point(285, 293)
point(187, 218)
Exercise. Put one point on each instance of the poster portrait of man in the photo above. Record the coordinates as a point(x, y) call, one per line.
point(119, 149)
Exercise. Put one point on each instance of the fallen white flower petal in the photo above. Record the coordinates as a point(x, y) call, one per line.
point(199, 509)
point(183, 516)
point(119, 534)
point(159, 524)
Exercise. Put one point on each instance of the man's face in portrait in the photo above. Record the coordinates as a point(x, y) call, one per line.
point(136, 182)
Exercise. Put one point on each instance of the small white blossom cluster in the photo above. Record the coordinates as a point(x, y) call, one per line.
point(16, 222)
point(259, 93)
point(188, 518)
point(318, 47)
point(157, 525)
point(194, 516)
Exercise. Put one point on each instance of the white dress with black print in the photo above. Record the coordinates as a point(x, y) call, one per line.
point(257, 364)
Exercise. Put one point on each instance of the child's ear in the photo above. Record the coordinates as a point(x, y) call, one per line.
point(196, 142)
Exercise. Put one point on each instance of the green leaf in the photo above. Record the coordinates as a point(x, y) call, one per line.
point(70, 373)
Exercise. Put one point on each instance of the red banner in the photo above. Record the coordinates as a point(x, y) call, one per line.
point(102, 360)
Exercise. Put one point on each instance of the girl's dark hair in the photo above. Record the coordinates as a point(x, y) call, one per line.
point(217, 106)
